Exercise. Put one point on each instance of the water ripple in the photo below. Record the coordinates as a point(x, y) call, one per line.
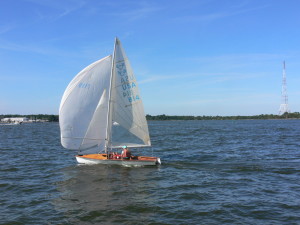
point(213, 172)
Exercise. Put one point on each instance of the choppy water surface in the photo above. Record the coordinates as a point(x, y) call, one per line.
point(213, 172)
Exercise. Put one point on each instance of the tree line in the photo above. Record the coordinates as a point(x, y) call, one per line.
point(294, 115)
point(55, 118)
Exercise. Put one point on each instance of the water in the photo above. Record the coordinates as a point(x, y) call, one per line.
point(213, 172)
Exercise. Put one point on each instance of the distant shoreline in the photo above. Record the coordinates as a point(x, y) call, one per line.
point(33, 117)
point(55, 118)
point(295, 115)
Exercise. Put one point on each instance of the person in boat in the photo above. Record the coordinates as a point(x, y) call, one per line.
point(116, 155)
point(126, 154)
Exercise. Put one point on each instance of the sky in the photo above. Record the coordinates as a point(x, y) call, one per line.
point(190, 57)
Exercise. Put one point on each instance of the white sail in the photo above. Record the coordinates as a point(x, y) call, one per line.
point(126, 107)
point(83, 110)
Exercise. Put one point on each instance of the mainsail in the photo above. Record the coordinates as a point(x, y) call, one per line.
point(102, 108)
point(126, 106)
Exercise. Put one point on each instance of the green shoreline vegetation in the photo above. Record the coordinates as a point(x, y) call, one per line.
point(54, 118)
point(295, 115)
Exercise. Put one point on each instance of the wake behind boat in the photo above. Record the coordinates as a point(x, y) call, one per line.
point(101, 111)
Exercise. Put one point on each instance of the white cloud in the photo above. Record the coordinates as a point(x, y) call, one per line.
point(32, 48)
point(62, 8)
point(214, 16)
point(131, 11)
point(6, 28)
point(158, 78)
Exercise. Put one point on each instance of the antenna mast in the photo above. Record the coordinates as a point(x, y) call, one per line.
point(284, 107)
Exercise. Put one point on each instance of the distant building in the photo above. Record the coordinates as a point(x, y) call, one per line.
point(15, 119)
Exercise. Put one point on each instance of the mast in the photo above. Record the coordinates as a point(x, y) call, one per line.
point(109, 114)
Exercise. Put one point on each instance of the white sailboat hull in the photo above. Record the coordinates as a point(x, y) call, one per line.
point(141, 161)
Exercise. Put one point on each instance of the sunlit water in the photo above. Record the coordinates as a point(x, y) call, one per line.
point(213, 172)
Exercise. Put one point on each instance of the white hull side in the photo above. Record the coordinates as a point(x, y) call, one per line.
point(82, 160)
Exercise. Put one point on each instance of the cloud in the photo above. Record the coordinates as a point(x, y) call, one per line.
point(6, 28)
point(64, 8)
point(158, 78)
point(244, 101)
point(139, 13)
point(214, 16)
point(69, 10)
point(132, 11)
point(233, 62)
point(221, 69)
point(30, 48)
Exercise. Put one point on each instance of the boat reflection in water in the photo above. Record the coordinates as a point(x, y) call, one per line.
point(107, 194)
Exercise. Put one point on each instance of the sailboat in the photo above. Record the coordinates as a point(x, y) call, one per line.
point(101, 112)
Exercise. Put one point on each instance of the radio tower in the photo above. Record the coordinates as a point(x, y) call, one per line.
point(284, 107)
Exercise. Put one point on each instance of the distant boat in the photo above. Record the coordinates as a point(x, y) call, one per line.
point(101, 112)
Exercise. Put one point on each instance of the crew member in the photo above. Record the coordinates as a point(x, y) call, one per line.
point(126, 154)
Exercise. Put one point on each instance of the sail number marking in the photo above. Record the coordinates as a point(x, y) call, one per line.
point(84, 85)
point(127, 82)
